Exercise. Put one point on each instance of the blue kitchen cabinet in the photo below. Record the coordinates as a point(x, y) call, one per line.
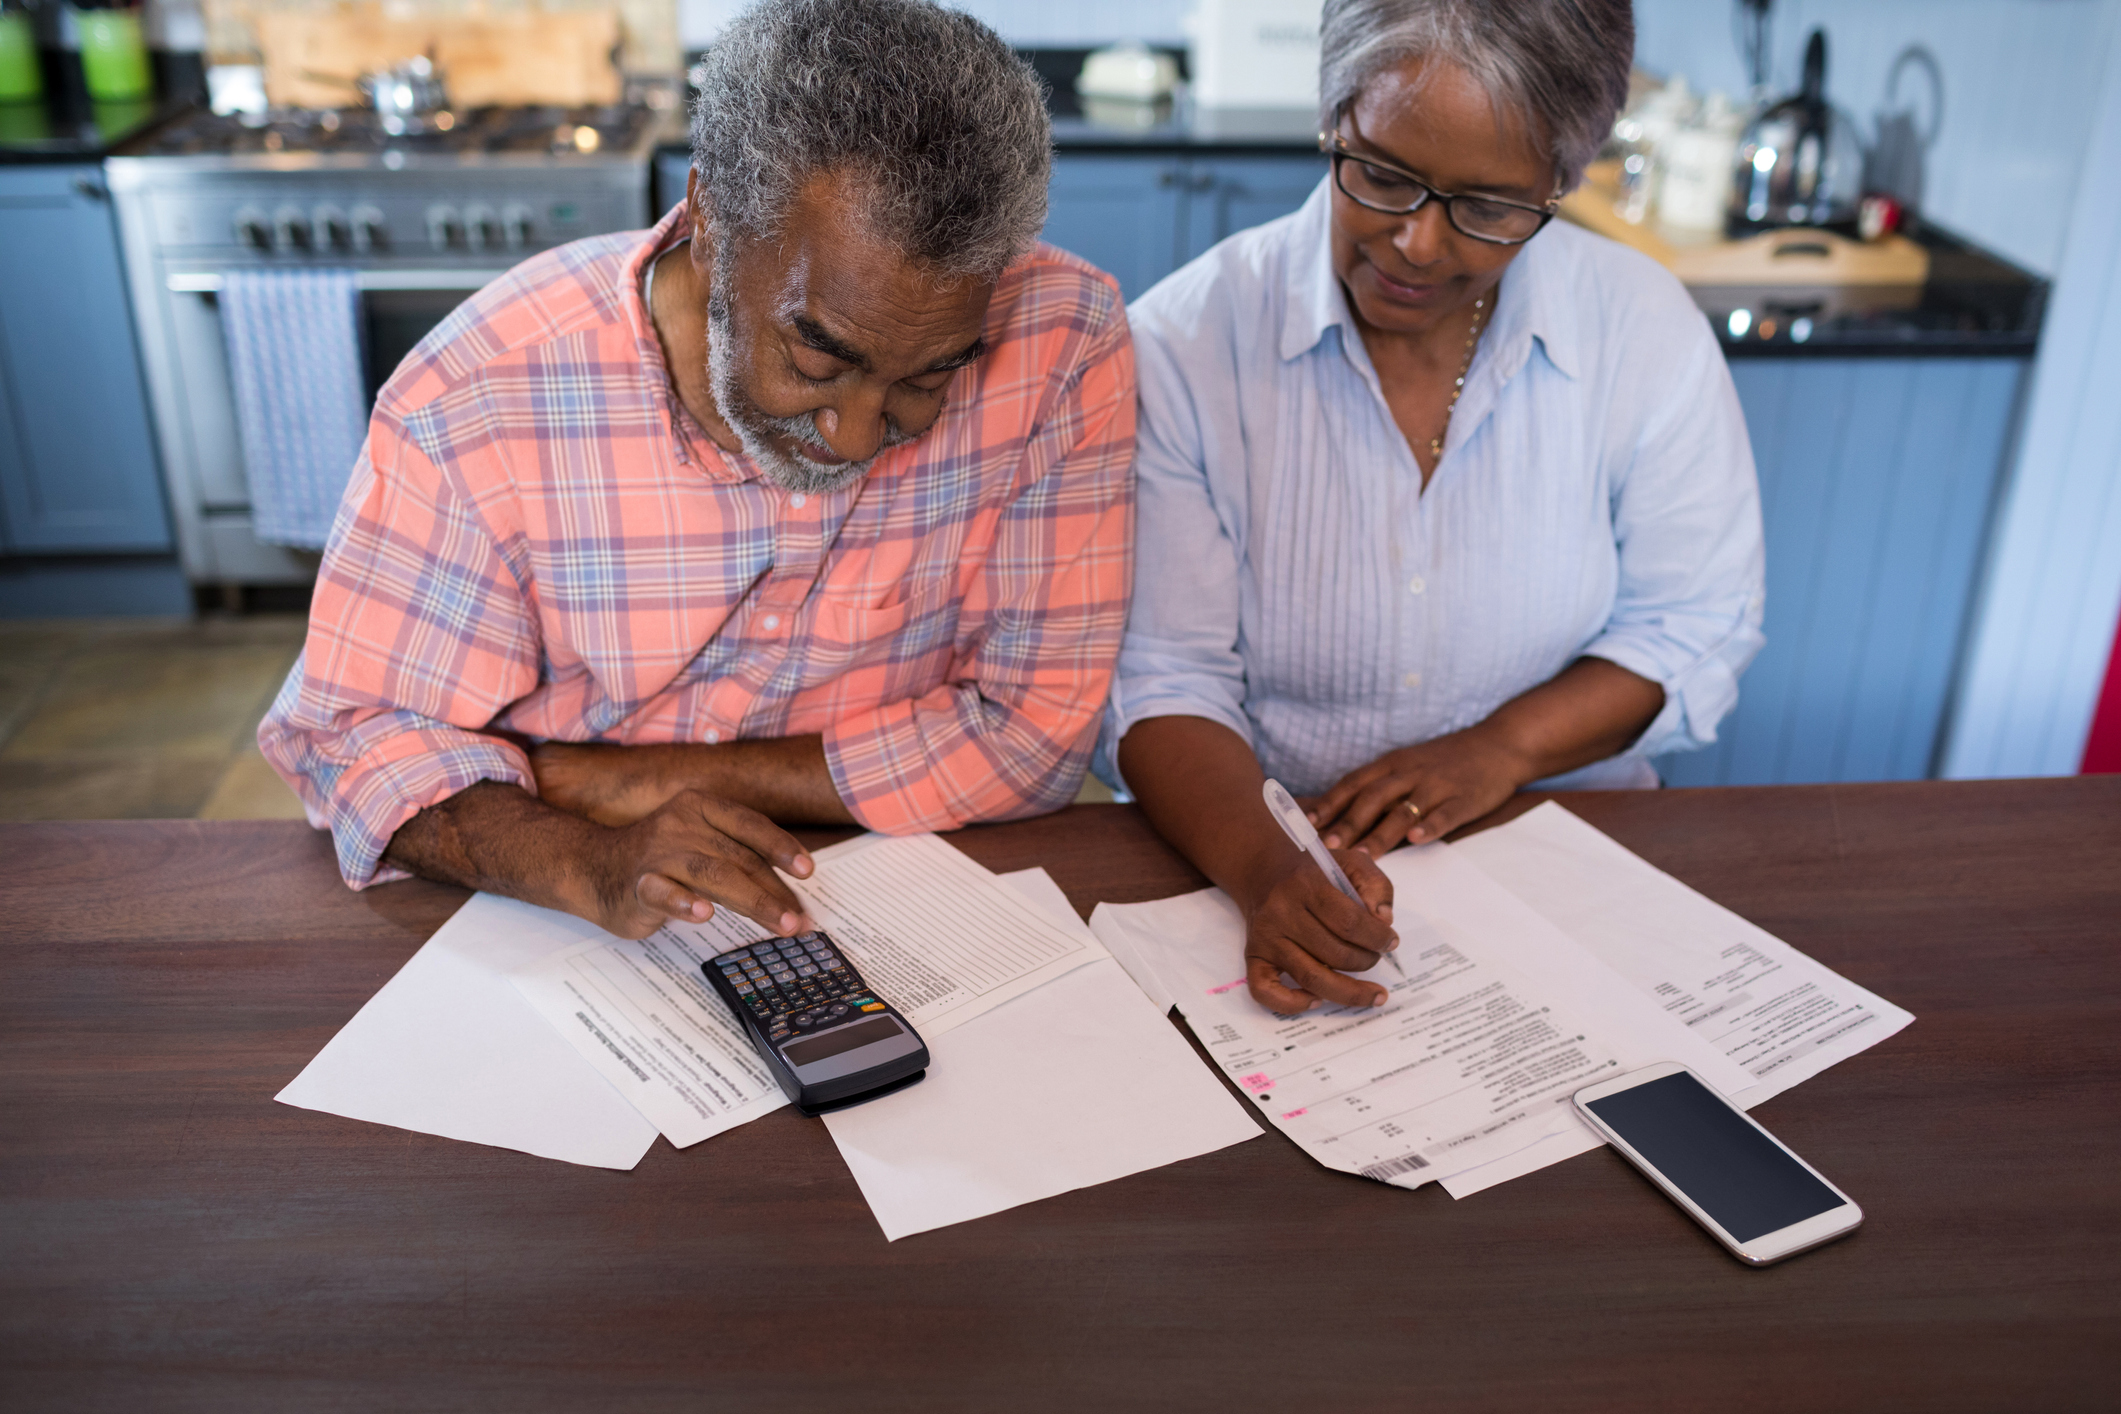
point(1142, 215)
point(1877, 479)
point(1120, 213)
point(1225, 195)
point(78, 472)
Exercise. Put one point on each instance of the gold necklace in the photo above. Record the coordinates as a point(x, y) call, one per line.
point(1464, 367)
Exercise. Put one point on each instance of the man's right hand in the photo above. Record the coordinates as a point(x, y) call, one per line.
point(1302, 926)
point(691, 855)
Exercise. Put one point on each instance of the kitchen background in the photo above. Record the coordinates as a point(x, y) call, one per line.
point(1940, 466)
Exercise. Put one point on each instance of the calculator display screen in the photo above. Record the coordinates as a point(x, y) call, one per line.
point(862, 1033)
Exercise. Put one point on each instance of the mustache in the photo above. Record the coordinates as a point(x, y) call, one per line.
point(805, 429)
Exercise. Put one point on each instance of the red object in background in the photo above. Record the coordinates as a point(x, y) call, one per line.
point(2102, 752)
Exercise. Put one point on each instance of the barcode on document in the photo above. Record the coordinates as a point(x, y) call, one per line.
point(1391, 1168)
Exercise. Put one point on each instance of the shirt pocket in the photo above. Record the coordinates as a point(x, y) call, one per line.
point(848, 632)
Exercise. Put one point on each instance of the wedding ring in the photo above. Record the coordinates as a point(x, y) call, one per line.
point(1412, 808)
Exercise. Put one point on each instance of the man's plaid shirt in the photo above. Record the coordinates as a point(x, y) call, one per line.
point(538, 540)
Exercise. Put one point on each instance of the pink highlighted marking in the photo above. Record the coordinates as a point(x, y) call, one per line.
point(1291, 1114)
point(1226, 987)
point(1257, 1080)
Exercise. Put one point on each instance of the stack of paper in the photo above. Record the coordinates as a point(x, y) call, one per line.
point(1076, 1083)
point(1540, 956)
point(449, 1047)
point(1049, 1071)
point(1776, 1012)
point(940, 937)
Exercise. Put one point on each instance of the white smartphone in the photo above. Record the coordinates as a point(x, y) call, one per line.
point(1712, 1159)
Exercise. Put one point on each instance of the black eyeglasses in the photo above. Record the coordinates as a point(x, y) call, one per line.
point(1381, 187)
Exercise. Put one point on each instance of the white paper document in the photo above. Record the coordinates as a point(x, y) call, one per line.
point(1499, 1019)
point(1137, 951)
point(939, 936)
point(449, 1047)
point(1077, 1083)
point(1780, 1015)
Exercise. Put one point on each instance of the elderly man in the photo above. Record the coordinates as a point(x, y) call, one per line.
point(813, 504)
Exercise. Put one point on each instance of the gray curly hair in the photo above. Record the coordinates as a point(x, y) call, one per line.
point(1560, 66)
point(942, 126)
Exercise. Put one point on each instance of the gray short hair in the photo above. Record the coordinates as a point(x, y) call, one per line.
point(1561, 66)
point(943, 126)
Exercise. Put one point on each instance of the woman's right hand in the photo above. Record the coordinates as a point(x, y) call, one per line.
point(1299, 924)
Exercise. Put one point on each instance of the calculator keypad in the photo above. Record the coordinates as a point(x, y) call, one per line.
point(793, 985)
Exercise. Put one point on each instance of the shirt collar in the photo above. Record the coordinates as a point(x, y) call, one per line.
point(1316, 301)
point(689, 441)
point(1533, 304)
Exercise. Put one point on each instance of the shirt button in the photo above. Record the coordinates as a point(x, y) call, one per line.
point(1412, 679)
point(1416, 585)
point(773, 621)
point(799, 500)
point(713, 736)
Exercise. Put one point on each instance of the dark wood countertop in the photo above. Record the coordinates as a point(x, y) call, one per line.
point(171, 1238)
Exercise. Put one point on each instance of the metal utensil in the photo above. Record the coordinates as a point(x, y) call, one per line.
point(1799, 163)
point(408, 98)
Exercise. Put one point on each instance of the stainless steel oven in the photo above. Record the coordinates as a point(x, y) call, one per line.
point(425, 220)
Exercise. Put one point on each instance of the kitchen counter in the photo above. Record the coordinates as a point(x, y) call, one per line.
point(1811, 293)
point(46, 132)
point(1972, 305)
point(1105, 125)
point(65, 125)
point(1083, 124)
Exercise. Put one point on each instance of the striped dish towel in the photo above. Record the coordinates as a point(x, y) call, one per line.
point(294, 358)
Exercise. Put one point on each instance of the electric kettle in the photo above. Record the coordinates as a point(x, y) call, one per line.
point(1799, 163)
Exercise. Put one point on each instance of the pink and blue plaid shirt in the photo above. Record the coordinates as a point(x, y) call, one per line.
point(538, 540)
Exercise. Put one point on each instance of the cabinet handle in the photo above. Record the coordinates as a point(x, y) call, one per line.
point(91, 189)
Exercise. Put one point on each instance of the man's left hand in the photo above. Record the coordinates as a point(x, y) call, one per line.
point(1447, 782)
point(612, 785)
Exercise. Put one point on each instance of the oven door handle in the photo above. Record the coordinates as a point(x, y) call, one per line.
point(210, 283)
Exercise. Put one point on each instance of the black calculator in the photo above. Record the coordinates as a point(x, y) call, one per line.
point(828, 1038)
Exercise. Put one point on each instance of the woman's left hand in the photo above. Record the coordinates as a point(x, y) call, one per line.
point(1448, 781)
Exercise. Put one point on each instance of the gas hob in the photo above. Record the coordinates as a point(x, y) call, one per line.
point(287, 138)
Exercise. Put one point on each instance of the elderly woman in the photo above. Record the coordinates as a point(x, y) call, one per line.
point(1438, 498)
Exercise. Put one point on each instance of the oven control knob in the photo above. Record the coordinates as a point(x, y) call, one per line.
point(253, 229)
point(517, 220)
point(328, 229)
point(483, 227)
point(445, 229)
point(369, 232)
point(290, 229)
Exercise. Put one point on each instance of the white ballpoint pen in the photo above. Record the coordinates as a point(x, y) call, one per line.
point(1298, 827)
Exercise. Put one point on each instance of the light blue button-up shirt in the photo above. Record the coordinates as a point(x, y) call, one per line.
point(1294, 581)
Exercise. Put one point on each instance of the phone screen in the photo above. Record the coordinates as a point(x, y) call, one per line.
point(1735, 1173)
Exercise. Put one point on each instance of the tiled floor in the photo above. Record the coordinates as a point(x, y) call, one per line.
point(118, 719)
point(105, 719)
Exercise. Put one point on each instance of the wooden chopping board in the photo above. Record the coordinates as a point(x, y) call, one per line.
point(562, 57)
point(1801, 255)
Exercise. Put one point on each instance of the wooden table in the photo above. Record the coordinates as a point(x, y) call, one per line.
point(172, 1239)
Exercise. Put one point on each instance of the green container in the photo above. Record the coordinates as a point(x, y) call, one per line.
point(20, 78)
point(113, 55)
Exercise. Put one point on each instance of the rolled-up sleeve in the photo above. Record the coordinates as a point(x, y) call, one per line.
point(1686, 519)
point(419, 634)
point(1011, 731)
